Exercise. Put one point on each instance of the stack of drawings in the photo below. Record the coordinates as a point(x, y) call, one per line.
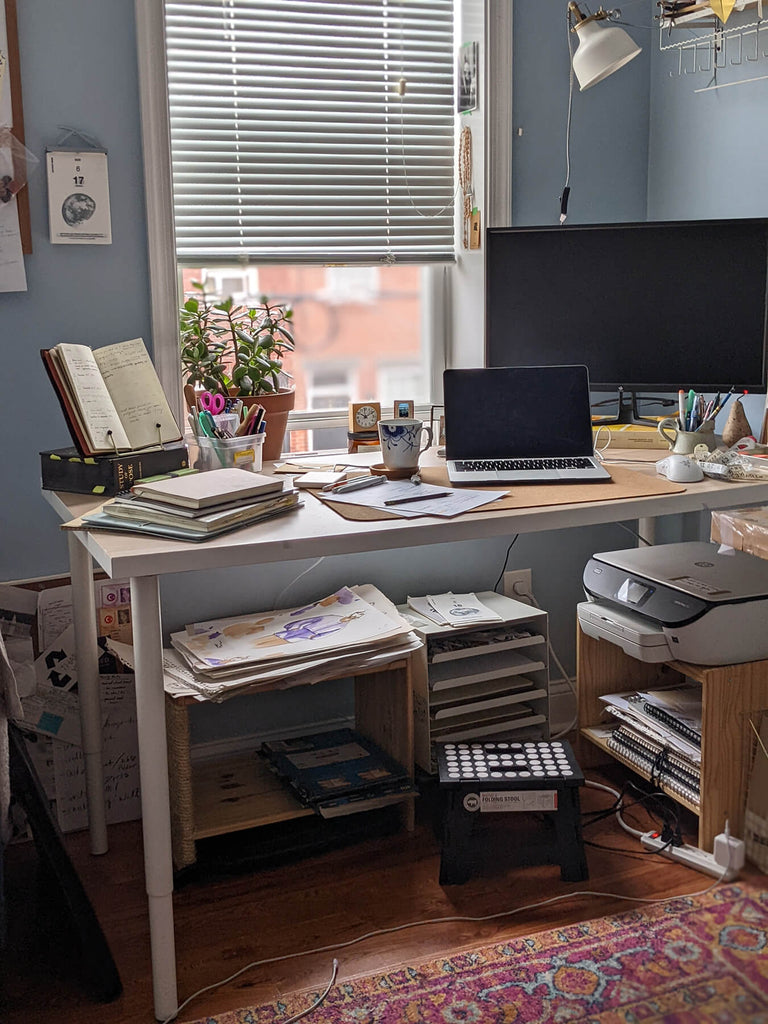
point(353, 629)
point(659, 734)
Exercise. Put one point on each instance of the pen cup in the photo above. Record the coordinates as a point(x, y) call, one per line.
point(682, 442)
point(240, 452)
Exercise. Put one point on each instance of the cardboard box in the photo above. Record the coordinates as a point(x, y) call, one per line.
point(745, 529)
point(64, 469)
point(628, 435)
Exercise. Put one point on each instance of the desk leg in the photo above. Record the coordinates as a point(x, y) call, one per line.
point(86, 654)
point(155, 801)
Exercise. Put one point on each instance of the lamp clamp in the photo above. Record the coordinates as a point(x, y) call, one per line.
point(582, 19)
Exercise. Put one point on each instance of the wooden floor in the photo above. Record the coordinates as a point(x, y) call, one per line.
point(225, 923)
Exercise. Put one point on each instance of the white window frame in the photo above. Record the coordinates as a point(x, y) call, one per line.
point(163, 271)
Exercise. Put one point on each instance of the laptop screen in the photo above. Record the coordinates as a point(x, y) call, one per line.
point(517, 412)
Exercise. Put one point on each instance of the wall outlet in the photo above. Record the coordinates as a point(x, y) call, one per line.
point(517, 583)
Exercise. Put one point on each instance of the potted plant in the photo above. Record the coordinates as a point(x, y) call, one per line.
point(238, 351)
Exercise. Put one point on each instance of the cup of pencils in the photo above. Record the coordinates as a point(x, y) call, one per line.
point(228, 434)
point(694, 423)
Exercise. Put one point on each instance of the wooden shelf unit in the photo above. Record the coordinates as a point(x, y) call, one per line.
point(214, 797)
point(731, 695)
point(474, 692)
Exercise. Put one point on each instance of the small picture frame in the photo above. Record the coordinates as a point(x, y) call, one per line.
point(466, 75)
point(403, 410)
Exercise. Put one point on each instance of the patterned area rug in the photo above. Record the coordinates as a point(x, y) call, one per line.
point(697, 960)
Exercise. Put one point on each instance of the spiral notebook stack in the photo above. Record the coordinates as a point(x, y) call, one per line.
point(659, 733)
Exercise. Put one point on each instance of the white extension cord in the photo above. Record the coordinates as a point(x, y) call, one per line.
point(724, 863)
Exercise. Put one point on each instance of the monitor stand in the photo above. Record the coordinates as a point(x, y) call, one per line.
point(627, 409)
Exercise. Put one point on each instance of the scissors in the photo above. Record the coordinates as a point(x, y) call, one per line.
point(212, 403)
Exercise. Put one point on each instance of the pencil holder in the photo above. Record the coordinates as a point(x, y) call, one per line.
point(240, 452)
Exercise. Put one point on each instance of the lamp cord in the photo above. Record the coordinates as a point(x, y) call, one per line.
point(567, 186)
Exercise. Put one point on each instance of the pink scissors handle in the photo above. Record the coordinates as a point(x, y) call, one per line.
point(212, 403)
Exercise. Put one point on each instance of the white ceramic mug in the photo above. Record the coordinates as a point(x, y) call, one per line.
point(682, 442)
point(401, 442)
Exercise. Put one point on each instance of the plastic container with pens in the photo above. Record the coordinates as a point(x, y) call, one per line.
point(241, 452)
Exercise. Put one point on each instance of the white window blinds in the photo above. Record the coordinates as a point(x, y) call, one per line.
point(290, 141)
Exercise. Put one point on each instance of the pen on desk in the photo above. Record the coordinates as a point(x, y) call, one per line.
point(417, 497)
point(356, 485)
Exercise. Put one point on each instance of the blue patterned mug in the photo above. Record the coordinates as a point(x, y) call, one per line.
point(401, 442)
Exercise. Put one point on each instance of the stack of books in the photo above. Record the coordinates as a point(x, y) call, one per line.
point(195, 506)
point(660, 734)
point(338, 772)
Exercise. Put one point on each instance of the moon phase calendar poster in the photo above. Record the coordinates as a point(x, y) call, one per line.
point(78, 197)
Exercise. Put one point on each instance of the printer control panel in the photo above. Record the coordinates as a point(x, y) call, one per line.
point(662, 604)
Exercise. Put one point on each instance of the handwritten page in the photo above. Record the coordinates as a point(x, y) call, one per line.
point(135, 389)
point(91, 401)
point(121, 762)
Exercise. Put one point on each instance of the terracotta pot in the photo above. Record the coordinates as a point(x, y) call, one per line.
point(277, 407)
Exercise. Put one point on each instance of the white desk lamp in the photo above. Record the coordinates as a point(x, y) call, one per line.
point(602, 49)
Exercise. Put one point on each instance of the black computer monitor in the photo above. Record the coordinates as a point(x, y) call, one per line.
point(650, 307)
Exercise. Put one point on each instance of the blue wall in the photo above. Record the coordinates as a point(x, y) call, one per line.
point(709, 150)
point(78, 67)
point(609, 127)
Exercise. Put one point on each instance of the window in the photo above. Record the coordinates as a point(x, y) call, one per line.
point(313, 132)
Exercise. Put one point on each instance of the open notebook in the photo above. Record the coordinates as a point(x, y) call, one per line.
point(519, 424)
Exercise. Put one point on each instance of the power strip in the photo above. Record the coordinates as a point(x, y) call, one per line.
point(693, 857)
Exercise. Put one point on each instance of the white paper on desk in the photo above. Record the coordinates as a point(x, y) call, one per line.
point(454, 503)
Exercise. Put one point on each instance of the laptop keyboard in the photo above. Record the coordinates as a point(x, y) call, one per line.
point(511, 465)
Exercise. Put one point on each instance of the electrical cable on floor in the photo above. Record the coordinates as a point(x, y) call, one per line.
point(454, 918)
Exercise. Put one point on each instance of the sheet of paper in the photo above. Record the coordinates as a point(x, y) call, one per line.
point(13, 277)
point(56, 666)
point(462, 609)
point(53, 713)
point(451, 501)
point(121, 762)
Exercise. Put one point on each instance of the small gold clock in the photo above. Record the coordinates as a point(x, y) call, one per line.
point(363, 416)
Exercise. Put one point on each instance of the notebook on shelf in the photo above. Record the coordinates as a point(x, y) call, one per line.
point(519, 424)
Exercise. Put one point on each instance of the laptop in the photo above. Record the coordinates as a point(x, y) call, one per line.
point(519, 424)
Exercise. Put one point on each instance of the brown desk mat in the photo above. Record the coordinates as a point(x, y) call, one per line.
point(624, 483)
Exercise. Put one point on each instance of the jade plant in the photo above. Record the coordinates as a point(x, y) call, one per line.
point(234, 349)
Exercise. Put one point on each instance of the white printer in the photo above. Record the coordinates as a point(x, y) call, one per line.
point(692, 602)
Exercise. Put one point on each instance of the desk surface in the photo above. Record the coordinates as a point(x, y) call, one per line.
point(317, 530)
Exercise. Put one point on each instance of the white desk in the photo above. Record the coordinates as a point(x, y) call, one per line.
point(314, 530)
